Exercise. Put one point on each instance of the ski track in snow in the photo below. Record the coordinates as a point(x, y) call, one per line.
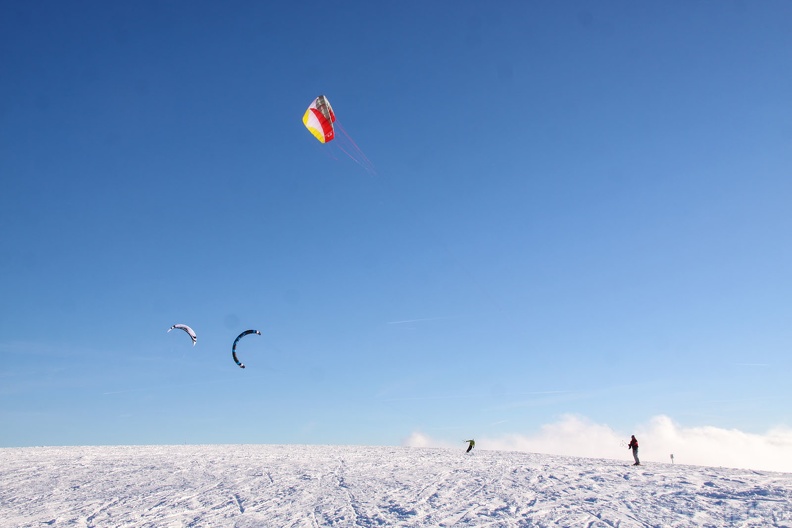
point(318, 486)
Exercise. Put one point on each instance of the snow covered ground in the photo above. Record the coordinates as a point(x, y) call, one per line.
point(294, 486)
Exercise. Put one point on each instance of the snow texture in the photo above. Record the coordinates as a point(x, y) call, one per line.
point(311, 486)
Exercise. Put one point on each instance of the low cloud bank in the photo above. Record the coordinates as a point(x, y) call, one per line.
point(658, 439)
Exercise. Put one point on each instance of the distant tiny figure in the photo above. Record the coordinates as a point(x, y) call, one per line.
point(471, 446)
point(634, 446)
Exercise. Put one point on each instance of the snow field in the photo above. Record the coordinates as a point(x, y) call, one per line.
point(313, 486)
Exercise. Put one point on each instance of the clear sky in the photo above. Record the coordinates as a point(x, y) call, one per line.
point(577, 209)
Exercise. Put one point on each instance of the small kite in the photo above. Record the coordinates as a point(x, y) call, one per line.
point(186, 329)
point(320, 120)
point(233, 349)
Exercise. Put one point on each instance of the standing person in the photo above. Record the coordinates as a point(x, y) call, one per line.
point(634, 446)
point(471, 446)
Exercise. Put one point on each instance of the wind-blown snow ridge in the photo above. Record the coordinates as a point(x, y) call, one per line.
point(312, 486)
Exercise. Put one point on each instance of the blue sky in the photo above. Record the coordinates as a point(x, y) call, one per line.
point(577, 209)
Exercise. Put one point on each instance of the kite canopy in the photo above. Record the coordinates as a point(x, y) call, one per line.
point(186, 329)
point(233, 348)
point(319, 119)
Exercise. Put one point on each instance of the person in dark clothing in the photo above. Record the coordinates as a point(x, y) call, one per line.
point(634, 446)
point(471, 446)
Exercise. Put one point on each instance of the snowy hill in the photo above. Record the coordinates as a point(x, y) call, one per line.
point(311, 486)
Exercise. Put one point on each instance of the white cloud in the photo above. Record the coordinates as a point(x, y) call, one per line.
point(659, 438)
point(418, 439)
point(713, 446)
